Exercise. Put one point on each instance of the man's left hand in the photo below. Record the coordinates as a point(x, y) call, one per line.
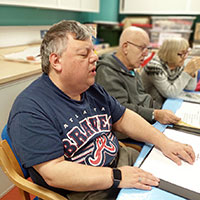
point(177, 151)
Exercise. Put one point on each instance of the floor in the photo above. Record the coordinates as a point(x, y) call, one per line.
point(13, 195)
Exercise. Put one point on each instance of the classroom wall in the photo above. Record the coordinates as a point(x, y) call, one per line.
point(17, 15)
point(108, 12)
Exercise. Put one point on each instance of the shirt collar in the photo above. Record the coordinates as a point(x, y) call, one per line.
point(123, 66)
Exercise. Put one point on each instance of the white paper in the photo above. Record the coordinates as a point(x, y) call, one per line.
point(186, 175)
point(189, 114)
point(33, 52)
point(190, 96)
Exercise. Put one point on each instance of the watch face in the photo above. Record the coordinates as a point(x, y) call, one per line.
point(117, 174)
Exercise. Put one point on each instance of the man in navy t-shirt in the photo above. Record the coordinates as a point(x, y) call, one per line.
point(61, 125)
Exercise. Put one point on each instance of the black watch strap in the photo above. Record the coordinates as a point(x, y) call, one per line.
point(117, 177)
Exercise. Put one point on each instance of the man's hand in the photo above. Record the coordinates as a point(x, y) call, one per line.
point(166, 117)
point(177, 151)
point(133, 177)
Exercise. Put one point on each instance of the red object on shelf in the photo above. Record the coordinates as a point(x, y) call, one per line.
point(143, 25)
point(139, 25)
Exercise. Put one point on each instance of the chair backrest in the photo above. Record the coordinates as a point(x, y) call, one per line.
point(7, 164)
point(5, 136)
point(13, 170)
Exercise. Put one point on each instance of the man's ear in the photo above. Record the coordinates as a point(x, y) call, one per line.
point(125, 48)
point(55, 61)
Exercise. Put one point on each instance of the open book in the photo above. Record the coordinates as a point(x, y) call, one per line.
point(190, 116)
point(183, 180)
point(190, 96)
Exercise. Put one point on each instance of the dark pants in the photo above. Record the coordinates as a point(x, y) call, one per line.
point(127, 156)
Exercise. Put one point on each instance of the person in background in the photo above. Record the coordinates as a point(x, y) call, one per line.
point(198, 86)
point(61, 126)
point(117, 73)
point(198, 83)
point(169, 73)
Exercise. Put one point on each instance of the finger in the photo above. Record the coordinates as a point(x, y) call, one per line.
point(149, 180)
point(146, 181)
point(143, 186)
point(175, 119)
point(190, 152)
point(175, 158)
point(186, 157)
point(187, 154)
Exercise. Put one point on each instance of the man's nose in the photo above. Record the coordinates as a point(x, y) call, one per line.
point(94, 57)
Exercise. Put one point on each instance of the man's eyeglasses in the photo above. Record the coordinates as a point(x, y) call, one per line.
point(142, 48)
point(184, 54)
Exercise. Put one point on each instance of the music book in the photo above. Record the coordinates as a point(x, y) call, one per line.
point(193, 97)
point(183, 180)
point(190, 117)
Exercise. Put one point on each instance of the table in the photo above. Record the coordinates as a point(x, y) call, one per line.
point(155, 193)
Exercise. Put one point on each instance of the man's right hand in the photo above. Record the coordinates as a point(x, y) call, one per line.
point(166, 117)
point(134, 177)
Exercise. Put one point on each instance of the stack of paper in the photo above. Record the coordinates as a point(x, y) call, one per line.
point(31, 54)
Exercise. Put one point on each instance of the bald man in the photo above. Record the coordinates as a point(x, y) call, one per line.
point(116, 73)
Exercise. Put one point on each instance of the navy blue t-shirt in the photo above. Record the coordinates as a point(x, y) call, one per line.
point(45, 124)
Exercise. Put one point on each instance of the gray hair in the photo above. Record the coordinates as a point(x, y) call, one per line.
point(55, 40)
point(170, 48)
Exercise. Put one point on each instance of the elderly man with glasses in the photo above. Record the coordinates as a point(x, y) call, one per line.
point(117, 73)
point(170, 71)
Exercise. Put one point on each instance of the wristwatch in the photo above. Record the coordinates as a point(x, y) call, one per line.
point(153, 117)
point(117, 177)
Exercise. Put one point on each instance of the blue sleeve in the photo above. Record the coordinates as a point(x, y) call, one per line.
point(35, 138)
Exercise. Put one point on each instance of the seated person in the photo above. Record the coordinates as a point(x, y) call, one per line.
point(198, 83)
point(61, 126)
point(116, 73)
point(168, 73)
point(198, 86)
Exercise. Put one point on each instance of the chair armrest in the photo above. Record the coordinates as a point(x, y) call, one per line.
point(25, 184)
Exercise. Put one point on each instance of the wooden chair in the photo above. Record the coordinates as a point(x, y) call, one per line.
point(12, 167)
point(132, 145)
point(13, 170)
